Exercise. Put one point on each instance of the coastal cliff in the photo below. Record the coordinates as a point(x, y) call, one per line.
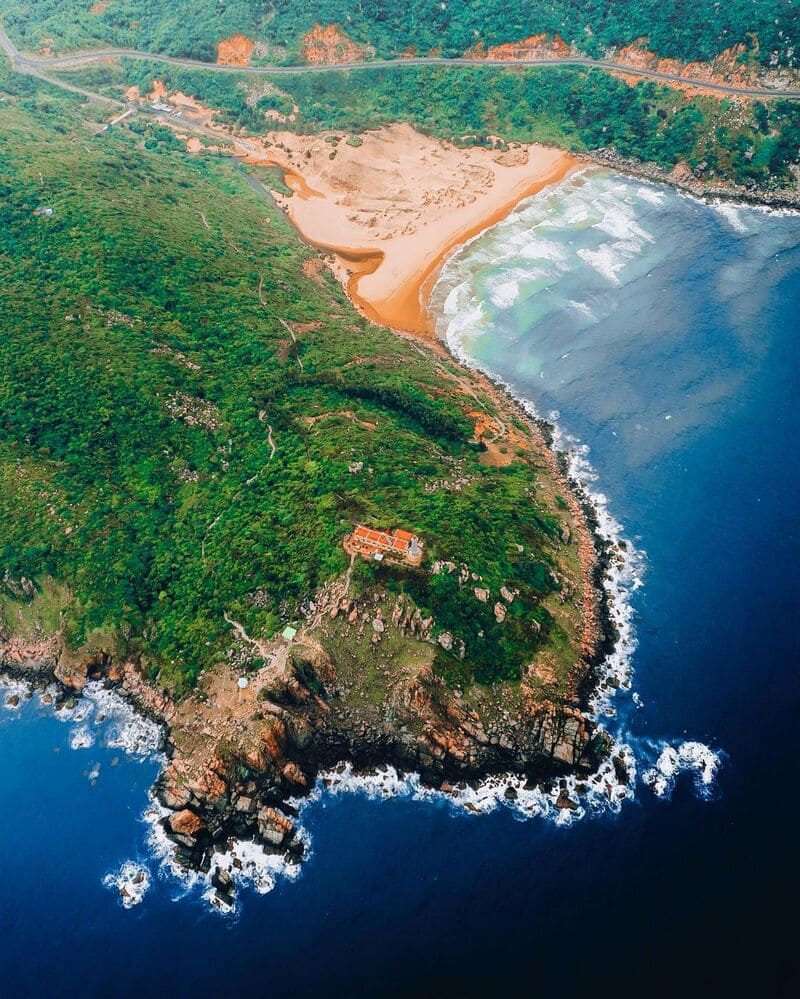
point(356, 684)
point(196, 419)
point(238, 756)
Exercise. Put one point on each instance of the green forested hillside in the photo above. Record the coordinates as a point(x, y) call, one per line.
point(686, 29)
point(173, 452)
point(751, 144)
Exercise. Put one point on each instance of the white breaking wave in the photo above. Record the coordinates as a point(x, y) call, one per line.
point(692, 757)
point(13, 693)
point(114, 719)
point(562, 801)
point(583, 309)
point(576, 213)
point(249, 864)
point(125, 728)
point(503, 292)
point(81, 712)
point(619, 221)
point(608, 259)
point(650, 194)
point(81, 738)
point(732, 215)
point(131, 880)
point(543, 249)
point(557, 232)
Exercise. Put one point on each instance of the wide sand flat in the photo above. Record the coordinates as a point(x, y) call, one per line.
point(392, 208)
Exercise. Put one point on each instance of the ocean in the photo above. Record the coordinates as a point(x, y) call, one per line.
point(659, 335)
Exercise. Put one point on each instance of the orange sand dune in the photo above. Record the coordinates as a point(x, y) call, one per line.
point(392, 208)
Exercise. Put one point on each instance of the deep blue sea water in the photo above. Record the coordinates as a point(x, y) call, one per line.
point(665, 334)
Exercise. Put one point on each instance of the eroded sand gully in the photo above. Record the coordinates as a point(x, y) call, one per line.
point(393, 207)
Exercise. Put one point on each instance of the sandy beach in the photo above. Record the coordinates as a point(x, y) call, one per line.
point(391, 206)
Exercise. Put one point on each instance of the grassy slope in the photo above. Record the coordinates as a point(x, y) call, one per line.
point(144, 288)
point(697, 30)
point(750, 144)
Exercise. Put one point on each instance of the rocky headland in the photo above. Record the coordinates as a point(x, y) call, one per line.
point(356, 684)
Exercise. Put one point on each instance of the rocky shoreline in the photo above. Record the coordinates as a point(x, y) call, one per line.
point(682, 179)
point(235, 761)
point(214, 802)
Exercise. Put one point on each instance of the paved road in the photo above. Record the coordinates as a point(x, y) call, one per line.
point(33, 68)
point(37, 65)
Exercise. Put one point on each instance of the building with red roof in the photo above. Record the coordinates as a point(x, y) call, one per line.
point(369, 542)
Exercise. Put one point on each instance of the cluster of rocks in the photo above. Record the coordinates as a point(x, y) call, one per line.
point(22, 588)
point(454, 485)
point(367, 614)
point(194, 412)
point(695, 182)
point(466, 577)
point(450, 644)
point(164, 351)
point(410, 622)
point(209, 813)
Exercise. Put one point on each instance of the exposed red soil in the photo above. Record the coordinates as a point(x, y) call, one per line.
point(536, 47)
point(235, 51)
point(330, 46)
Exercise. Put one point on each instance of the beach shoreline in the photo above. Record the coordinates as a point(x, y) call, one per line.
point(200, 794)
point(408, 309)
point(392, 208)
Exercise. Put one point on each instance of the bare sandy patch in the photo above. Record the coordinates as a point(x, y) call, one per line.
point(235, 51)
point(330, 46)
point(536, 47)
point(391, 208)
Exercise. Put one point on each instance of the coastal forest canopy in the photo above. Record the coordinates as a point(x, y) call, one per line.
point(753, 144)
point(756, 144)
point(182, 395)
point(683, 29)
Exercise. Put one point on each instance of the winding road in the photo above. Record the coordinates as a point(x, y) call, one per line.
point(38, 65)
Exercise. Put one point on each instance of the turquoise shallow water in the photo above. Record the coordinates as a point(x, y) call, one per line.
point(664, 333)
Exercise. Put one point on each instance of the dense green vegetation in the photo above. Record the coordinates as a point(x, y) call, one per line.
point(686, 29)
point(170, 449)
point(177, 27)
point(172, 452)
point(577, 111)
point(580, 111)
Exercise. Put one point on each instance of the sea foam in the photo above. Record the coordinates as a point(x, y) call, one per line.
point(13, 693)
point(81, 738)
point(249, 864)
point(125, 728)
point(687, 757)
point(732, 216)
point(131, 880)
point(562, 801)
